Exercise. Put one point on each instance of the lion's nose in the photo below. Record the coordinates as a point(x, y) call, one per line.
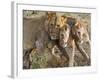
point(62, 36)
point(62, 42)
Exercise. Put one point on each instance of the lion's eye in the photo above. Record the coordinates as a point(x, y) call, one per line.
point(66, 28)
point(51, 24)
point(58, 25)
point(79, 33)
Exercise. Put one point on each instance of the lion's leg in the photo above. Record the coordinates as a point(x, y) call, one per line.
point(63, 51)
point(71, 56)
point(87, 39)
point(82, 51)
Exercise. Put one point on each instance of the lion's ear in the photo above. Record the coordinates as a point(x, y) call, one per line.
point(65, 20)
point(76, 24)
point(48, 15)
